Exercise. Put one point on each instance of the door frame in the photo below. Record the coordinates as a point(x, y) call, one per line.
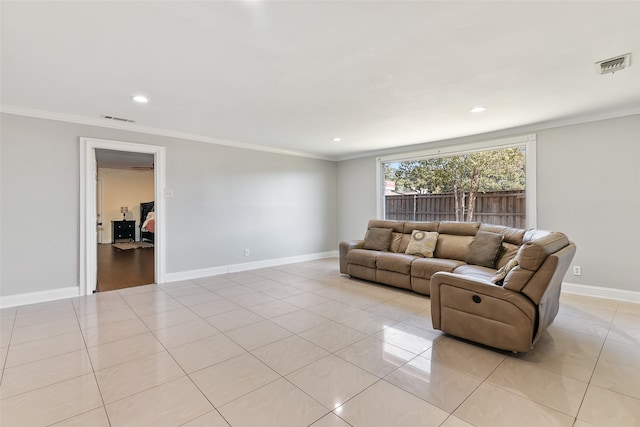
point(88, 235)
point(99, 212)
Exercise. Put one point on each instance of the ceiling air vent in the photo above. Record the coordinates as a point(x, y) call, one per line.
point(612, 65)
point(120, 119)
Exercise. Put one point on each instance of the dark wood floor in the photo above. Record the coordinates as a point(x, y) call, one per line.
point(119, 269)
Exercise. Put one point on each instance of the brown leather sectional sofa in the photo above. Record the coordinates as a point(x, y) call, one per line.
point(468, 300)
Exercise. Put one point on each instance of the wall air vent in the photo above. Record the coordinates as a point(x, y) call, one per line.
point(612, 65)
point(120, 119)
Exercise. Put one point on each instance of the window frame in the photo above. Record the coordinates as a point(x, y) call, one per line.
point(527, 141)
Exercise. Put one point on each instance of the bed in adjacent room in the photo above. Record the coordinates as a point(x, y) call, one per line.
point(147, 221)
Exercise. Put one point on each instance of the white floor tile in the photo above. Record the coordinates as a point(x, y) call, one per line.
point(303, 345)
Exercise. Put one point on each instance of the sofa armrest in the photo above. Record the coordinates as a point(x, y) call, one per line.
point(344, 247)
point(476, 286)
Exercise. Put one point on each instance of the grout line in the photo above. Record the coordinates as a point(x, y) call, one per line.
point(334, 290)
point(6, 358)
point(595, 366)
point(93, 369)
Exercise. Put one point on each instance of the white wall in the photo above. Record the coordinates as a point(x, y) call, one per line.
point(40, 197)
point(588, 186)
point(276, 206)
point(225, 199)
point(124, 188)
point(228, 199)
point(356, 197)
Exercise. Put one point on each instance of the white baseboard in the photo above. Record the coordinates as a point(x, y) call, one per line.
point(41, 296)
point(62, 293)
point(235, 268)
point(600, 292)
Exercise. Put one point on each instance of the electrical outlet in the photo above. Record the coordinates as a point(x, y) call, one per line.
point(246, 252)
point(577, 270)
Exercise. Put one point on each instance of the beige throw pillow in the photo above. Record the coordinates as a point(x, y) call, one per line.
point(396, 238)
point(500, 275)
point(422, 243)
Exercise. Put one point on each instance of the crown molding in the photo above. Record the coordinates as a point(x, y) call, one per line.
point(132, 127)
point(501, 133)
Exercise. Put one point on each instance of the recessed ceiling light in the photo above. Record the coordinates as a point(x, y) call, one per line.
point(336, 139)
point(140, 98)
point(478, 109)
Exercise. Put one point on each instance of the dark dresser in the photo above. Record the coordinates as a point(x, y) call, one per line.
point(123, 230)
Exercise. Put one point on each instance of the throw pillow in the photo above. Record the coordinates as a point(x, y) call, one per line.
point(422, 243)
point(500, 275)
point(485, 249)
point(396, 238)
point(378, 239)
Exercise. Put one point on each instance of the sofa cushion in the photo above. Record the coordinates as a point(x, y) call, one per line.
point(482, 273)
point(399, 263)
point(409, 226)
point(377, 239)
point(453, 246)
point(423, 243)
point(508, 251)
point(396, 226)
point(538, 244)
point(363, 257)
point(511, 235)
point(517, 278)
point(484, 249)
point(458, 228)
point(426, 267)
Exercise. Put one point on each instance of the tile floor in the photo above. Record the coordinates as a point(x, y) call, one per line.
point(300, 345)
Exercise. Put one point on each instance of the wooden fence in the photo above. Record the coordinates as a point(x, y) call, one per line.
point(506, 208)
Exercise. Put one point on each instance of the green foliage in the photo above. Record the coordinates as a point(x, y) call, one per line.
point(463, 175)
point(494, 170)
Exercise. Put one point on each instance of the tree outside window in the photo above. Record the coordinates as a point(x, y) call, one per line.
point(463, 176)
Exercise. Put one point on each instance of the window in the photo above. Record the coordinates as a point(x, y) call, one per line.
point(491, 182)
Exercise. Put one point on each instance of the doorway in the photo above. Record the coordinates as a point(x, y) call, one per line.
point(89, 148)
point(124, 202)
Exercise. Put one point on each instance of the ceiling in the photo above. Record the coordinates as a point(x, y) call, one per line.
point(291, 76)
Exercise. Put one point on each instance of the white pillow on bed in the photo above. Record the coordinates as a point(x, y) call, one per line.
point(151, 215)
